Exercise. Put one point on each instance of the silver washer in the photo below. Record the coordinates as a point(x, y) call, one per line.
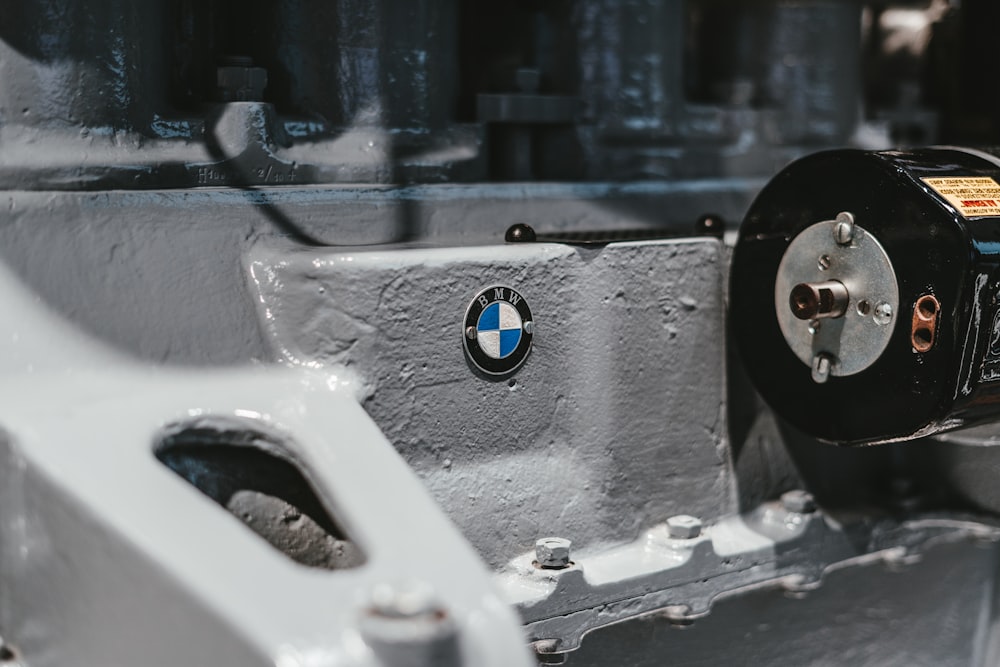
point(855, 341)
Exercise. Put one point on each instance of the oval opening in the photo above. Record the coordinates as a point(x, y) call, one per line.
point(244, 471)
point(927, 307)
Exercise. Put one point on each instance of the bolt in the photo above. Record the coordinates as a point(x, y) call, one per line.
point(843, 231)
point(519, 233)
point(821, 367)
point(405, 625)
point(407, 600)
point(684, 527)
point(238, 81)
point(678, 615)
point(528, 79)
point(710, 224)
point(883, 313)
point(798, 501)
point(547, 652)
point(470, 333)
point(552, 553)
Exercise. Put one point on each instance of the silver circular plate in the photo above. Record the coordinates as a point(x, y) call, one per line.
point(856, 340)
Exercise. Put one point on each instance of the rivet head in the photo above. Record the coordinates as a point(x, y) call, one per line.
point(520, 233)
point(710, 224)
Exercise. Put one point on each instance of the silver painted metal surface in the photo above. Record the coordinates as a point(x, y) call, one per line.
point(850, 343)
point(584, 424)
point(348, 360)
point(681, 578)
point(876, 613)
point(98, 534)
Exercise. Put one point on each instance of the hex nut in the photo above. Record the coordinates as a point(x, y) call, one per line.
point(798, 501)
point(552, 553)
point(684, 527)
point(240, 83)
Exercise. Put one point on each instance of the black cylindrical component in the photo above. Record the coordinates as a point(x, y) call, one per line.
point(631, 83)
point(915, 238)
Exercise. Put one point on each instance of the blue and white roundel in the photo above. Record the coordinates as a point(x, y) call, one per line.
point(498, 331)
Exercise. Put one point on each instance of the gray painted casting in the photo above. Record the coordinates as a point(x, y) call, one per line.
point(237, 423)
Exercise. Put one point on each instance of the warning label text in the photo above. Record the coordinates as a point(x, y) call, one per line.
point(972, 196)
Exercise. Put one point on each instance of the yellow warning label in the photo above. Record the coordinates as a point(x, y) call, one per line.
point(971, 196)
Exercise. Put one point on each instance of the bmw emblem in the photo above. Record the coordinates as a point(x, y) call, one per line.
point(498, 329)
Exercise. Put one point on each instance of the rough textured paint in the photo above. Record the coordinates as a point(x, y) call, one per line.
point(583, 440)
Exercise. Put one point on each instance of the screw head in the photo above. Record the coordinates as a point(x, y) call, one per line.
point(470, 333)
point(684, 527)
point(529, 327)
point(821, 367)
point(843, 231)
point(883, 313)
point(799, 501)
point(552, 553)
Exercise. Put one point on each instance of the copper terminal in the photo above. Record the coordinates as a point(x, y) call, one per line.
point(923, 330)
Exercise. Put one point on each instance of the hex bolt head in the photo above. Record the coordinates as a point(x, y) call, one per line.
point(552, 553)
point(799, 501)
point(684, 527)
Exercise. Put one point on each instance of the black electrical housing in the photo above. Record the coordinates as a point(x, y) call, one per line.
point(940, 368)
